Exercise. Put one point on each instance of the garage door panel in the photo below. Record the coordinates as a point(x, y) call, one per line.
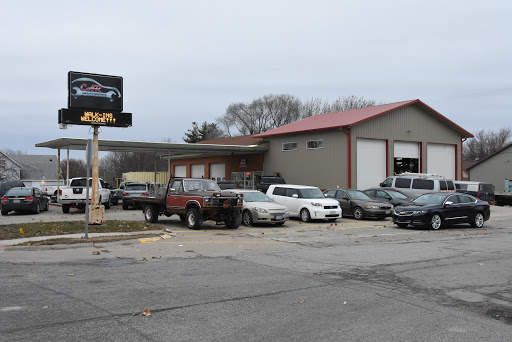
point(218, 171)
point(371, 162)
point(180, 171)
point(441, 160)
point(406, 149)
point(197, 170)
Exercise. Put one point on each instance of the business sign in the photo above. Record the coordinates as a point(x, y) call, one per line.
point(77, 116)
point(93, 91)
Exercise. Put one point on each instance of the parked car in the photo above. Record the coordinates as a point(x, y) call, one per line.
point(259, 208)
point(357, 204)
point(442, 209)
point(5, 186)
point(416, 184)
point(265, 181)
point(392, 196)
point(305, 202)
point(114, 197)
point(483, 191)
point(134, 189)
point(227, 184)
point(24, 199)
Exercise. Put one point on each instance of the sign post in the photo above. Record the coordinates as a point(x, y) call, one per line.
point(94, 100)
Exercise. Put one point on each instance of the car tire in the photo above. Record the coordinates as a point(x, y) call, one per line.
point(125, 207)
point(47, 206)
point(37, 209)
point(478, 221)
point(65, 208)
point(193, 219)
point(150, 214)
point(358, 213)
point(107, 204)
point(247, 218)
point(4, 212)
point(436, 222)
point(402, 225)
point(234, 220)
point(305, 216)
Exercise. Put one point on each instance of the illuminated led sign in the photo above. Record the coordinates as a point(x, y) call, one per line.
point(95, 91)
point(74, 116)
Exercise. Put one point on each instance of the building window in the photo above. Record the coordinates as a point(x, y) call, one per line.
point(290, 146)
point(2, 164)
point(314, 144)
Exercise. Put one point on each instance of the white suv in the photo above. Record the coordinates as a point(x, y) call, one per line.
point(305, 202)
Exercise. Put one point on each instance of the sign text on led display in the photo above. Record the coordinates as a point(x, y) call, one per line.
point(94, 117)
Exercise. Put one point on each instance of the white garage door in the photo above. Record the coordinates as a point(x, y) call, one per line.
point(406, 149)
point(197, 170)
point(180, 171)
point(441, 160)
point(218, 171)
point(371, 162)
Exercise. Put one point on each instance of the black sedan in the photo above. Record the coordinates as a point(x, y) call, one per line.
point(442, 209)
point(392, 196)
point(357, 204)
point(27, 199)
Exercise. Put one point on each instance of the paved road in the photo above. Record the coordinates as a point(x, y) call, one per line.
point(352, 280)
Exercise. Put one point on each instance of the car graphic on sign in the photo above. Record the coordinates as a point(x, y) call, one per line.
point(94, 89)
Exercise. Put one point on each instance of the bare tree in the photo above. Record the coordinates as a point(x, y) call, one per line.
point(8, 173)
point(273, 111)
point(77, 168)
point(114, 164)
point(486, 143)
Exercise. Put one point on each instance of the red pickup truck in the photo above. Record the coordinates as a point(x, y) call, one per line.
point(195, 200)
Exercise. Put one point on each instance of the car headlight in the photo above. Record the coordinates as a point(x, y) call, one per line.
point(207, 201)
point(315, 204)
point(260, 210)
point(419, 212)
point(372, 207)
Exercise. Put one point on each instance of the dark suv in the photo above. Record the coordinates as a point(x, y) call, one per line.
point(265, 182)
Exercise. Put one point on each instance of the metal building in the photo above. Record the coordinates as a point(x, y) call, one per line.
point(360, 148)
point(493, 169)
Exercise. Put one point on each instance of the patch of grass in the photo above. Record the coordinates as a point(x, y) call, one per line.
point(98, 239)
point(13, 231)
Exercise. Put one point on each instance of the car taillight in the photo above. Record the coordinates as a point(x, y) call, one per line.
point(125, 193)
point(29, 198)
point(145, 194)
point(60, 192)
point(5, 199)
point(477, 195)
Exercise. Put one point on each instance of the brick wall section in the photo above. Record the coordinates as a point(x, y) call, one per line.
point(254, 163)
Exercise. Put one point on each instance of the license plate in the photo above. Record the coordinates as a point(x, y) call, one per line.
point(333, 212)
point(16, 201)
point(279, 217)
point(388, 211)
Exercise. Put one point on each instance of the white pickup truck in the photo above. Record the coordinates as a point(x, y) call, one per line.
point(74, 194)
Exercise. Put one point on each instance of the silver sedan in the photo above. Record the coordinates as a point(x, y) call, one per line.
point(259, 208)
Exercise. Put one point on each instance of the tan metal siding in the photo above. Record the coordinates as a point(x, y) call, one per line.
point(406, 124)
point(323, 168)
point(494, 170)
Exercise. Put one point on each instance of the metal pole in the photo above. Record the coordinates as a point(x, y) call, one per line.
point(88, 162)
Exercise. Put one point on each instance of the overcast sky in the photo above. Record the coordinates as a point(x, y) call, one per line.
point(184, 61)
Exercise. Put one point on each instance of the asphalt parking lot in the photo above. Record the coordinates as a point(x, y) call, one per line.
point(348, 280)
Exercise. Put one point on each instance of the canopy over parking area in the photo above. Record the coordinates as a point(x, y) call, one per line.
point(165, 149)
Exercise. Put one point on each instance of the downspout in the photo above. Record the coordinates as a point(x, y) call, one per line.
point(349, 155)
point(462, 139)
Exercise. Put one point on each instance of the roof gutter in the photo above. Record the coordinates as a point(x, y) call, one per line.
point(347, 131)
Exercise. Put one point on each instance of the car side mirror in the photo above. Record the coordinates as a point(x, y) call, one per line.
point(295, 196)
point(447, 204)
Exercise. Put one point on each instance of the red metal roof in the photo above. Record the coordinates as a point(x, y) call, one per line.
point(350, 118)
point(245, 140)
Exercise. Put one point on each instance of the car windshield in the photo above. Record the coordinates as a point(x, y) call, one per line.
point(19, 192)
point(200, 184)
point(430, 199)
point(135, 187)
point(256, 196)
point(311, 193)
point(358, 195)
point(397, 194)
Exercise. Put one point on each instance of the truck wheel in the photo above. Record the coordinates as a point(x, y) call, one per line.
point(193, 219)
point(233, 221)
point(4, 212)
point(65, 208)
point(150, 214)
point(107, 204)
